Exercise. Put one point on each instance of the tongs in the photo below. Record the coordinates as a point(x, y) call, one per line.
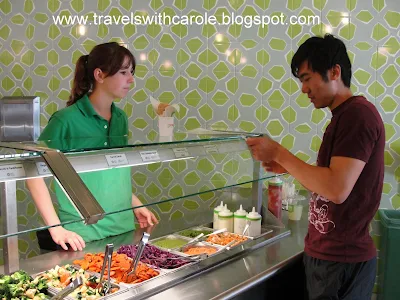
point(218, 231)
point(227, 246)
point(77, 282)
point(246, 228)
point(139, 252)
point(197, 257)
point(196, 238)
point(102, 287)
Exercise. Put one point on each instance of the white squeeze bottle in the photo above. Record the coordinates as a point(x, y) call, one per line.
point(225, 219)
point(239, 220)
point(216, 212)
point(254, 219)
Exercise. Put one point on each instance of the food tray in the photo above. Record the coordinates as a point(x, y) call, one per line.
point(169, 237)
point(53, 291)
point(129, 285)
point(168, 271)
point(197, 228)
point(149, 257)
point(248, 239)
point(181, 250)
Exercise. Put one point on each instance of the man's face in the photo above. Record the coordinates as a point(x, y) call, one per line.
point(320, 92)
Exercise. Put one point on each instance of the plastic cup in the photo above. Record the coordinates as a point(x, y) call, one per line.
point(166, 126)
point(295, 208)
point(295, 211)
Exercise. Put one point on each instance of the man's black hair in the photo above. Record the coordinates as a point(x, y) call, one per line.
point(323, 53)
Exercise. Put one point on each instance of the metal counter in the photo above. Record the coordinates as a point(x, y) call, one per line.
point(222, 276)
point(244, 272)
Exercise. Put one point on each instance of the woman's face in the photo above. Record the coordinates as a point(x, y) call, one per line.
point(119, 84)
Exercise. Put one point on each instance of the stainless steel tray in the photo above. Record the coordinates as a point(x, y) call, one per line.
point(169, 237)
point(130, 285)
point(172, 251)
point(127, 285)
point(181, 250)
point(53, 290)
point(249, 238)
point(197, 228)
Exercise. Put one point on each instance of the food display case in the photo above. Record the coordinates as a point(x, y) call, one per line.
point(180, 178)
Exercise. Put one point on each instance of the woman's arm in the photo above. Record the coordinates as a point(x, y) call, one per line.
point(144, 216)
point(42, 199)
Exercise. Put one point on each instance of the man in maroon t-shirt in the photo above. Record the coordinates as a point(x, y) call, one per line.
point(346, 184)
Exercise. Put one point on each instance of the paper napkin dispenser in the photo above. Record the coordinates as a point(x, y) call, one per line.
point(19, 118)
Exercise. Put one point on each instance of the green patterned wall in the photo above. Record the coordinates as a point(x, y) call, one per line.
point(225, 76)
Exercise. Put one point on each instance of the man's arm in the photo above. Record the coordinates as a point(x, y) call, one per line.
point(334, 182)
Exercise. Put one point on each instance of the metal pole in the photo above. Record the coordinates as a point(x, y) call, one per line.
point(10, 225)
point(256, 190)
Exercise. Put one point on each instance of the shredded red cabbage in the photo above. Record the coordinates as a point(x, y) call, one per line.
point(154, 256)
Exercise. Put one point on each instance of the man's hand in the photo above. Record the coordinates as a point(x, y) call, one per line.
point(273, 167)
point(62, 236)
point(145, 217)
point(263, 148)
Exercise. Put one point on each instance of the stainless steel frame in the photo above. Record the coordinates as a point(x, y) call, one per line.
point(65, 169)
point(96, 160)
point(174, 279)
point(73, 186)
point(8, 195)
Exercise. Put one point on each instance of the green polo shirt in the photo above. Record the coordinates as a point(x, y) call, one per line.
point(77, 127)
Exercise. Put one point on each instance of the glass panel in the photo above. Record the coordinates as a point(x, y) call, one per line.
point(171, 189)
point(170, 203)
point(137, 138)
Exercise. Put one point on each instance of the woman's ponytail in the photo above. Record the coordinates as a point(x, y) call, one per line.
point(108, 57)
point(82, 82)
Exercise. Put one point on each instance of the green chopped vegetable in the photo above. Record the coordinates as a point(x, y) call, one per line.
point(92, 279)
point(193, 233)
point(20, 285)
point(170, 243)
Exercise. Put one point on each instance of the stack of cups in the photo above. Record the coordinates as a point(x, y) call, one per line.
point(295, 207)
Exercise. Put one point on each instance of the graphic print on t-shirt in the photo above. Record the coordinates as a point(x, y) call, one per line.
point(318, 214)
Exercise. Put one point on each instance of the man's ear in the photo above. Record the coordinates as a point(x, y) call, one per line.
point(99, 75)
point(335, 72)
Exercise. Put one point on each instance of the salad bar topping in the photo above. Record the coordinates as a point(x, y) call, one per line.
point(20, 285)
point(200, 250)
point(225, 238)
point(119, 266)
point(60, 277)
point(154, 256)
point(192, 233)
point(170, 243)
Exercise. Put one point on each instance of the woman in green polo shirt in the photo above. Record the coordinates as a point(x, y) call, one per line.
point(100, 77)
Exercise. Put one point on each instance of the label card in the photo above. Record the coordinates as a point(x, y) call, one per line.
point(149, 155)
point(115, 160)
point(42, 168)
point(211, 149)
point(180, 152)
point(12, 171)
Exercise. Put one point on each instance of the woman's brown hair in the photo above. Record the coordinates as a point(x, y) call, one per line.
point(108, 57)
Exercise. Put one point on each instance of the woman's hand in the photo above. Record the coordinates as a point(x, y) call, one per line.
point(145, 217)
point(62, 236)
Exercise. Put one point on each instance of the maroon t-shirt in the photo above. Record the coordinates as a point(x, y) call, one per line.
point(340, 232)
